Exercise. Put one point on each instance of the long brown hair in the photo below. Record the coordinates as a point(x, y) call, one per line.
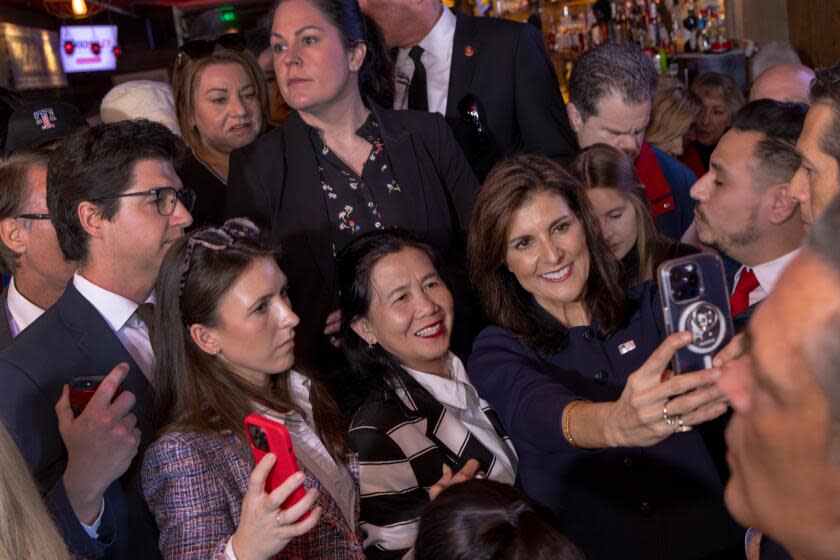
point(602, 166)
point(185, 78)
point(26, 530)
point(195, 390)
point(509, 186)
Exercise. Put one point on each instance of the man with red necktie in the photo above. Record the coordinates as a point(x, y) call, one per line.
point(744, 208)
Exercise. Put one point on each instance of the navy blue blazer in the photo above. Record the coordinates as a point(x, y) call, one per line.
point(72, 339)
point(663, 501)
point(505, 67)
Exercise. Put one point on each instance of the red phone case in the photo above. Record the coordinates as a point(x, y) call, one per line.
point(266, 435)
point(82, 389)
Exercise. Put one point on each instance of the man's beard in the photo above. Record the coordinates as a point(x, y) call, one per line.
point(748, 235)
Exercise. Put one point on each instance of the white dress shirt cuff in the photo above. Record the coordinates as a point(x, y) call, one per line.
point(93, 529)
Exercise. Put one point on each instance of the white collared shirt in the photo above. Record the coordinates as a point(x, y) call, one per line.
point(311, 451)
point(23, 312)
point(436, 58)
point(461, 399)
point(767, 274)
point(120, 314)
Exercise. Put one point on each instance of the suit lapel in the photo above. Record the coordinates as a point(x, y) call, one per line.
point(103, 350)
point(462, 67)
point(307, 207)
point(410, 210)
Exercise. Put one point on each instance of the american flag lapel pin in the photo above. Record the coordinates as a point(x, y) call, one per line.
point(625, 347)
point(469, 50)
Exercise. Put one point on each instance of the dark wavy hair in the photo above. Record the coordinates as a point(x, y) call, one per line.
point(488, 520)
point(195, 391)
point(97, 163)
point(376, 75)
point(511, 185)
point(372, 368)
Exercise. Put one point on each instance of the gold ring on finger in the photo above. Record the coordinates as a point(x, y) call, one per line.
point(277, 517)
point(682, 427)
point(670, 420)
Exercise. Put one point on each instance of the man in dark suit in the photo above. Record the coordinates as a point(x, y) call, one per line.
point(491, 78)
point(115, 201)
point(29, 251)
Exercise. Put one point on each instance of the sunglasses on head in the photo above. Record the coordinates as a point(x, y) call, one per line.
point(216, 239)
point(202, 48)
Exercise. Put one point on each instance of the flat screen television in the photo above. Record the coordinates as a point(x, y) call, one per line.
point(88, 48)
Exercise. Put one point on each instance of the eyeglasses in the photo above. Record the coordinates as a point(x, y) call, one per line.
point(166, 197)
point(217, 239)
point(34, 216)
point(202, 48)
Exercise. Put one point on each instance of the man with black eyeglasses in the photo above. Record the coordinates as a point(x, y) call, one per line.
point(29, 251)
point(117, 206)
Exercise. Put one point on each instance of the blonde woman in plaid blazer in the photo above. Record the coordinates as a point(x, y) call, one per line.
point(224, 343)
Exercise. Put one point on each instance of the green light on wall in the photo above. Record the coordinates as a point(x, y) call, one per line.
point(227, 15)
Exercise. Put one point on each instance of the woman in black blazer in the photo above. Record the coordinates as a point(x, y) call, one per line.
point(574, 367)
point(341, 164)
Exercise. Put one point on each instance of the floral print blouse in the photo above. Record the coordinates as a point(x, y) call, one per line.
point(353, 203)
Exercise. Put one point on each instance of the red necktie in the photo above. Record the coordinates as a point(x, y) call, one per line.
point(740, 299)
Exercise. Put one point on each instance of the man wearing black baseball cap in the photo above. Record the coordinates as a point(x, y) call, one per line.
point(34, 125)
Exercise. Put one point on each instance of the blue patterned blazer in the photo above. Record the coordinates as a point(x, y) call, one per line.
point(194, 484)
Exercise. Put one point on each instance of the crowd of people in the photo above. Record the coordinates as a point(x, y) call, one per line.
point(378, 224)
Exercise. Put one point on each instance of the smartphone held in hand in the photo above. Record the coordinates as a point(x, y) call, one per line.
point(268, 436)
point(82, 389)
point(695, 298)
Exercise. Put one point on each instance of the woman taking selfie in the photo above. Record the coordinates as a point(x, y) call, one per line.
point(419, 412)
point(224, 349)
point(574, 365)
point(618, 199)
point(220, 100)
point(341, 165)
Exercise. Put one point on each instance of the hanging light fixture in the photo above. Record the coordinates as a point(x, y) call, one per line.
point(73, 9)
point(79, 8)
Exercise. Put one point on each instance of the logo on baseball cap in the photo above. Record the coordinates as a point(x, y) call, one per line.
point(36, 124)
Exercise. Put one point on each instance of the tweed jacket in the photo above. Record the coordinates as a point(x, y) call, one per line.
point(194, 484)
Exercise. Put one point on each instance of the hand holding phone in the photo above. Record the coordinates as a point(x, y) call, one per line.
point(695, 298)
point(276, 508)
point(264, 528)
point(82, 390)
point(101, 442)
point(267, 436)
